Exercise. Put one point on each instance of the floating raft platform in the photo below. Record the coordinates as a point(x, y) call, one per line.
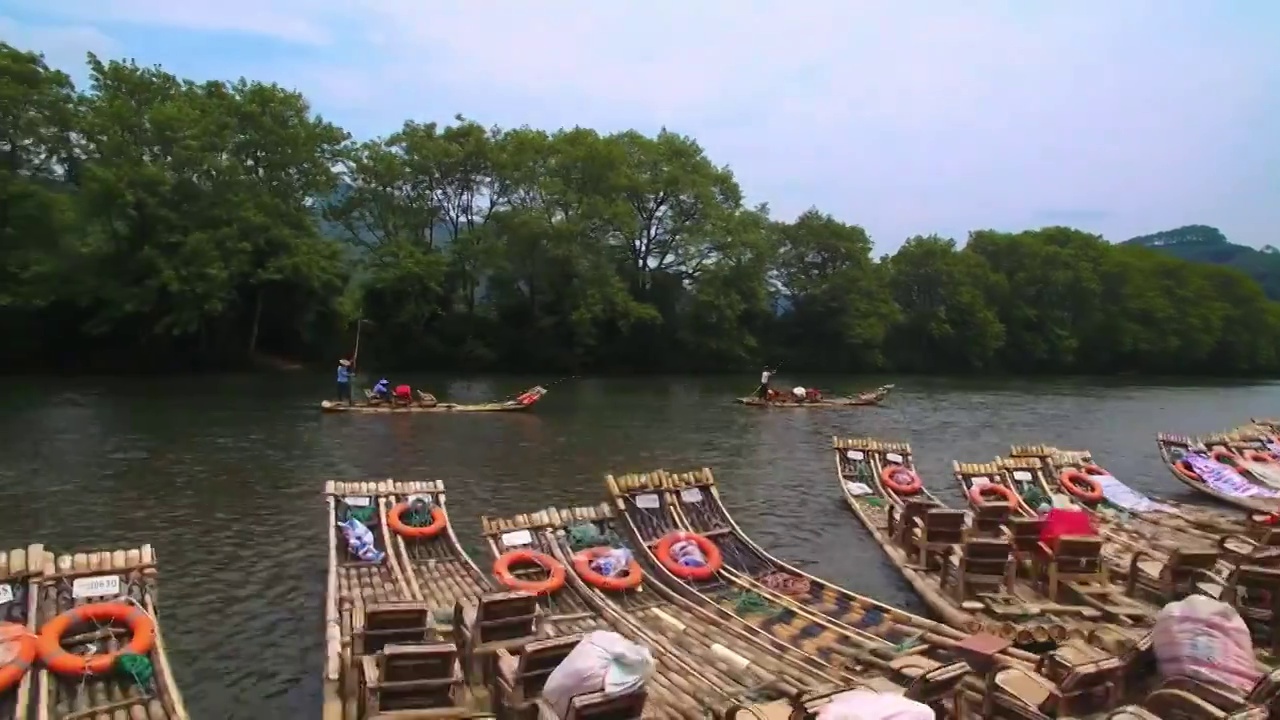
point(424, 633)
point(533, 395)
point(20, 571)
point(875, 646)
point(866, 399)
point(703, 668)
point(1248, 496)
point(131, 688)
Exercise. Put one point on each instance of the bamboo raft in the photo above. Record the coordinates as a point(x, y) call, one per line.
point(141, 689)
point(1174, 447)
point(866, 399)
point(535, 393)
point(886, 648)
point(20, 571)
point(1119, 542)
point(702, 667)
point(1200, 522)
point(970, 574)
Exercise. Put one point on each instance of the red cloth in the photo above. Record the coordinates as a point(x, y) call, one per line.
point(403, 391)
point(1061, 521)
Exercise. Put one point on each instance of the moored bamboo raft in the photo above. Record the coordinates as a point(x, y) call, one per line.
point(137, 683)
point(20, 571)
point(982, 594)
point(689, 683)
point(886, 648)
point(1026, 477)
point(1200, 522)
point(523, 403)
point(756, 663)
point(1236, 490)
point(785, 400)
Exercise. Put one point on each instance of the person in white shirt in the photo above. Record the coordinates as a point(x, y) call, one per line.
point(763, 392)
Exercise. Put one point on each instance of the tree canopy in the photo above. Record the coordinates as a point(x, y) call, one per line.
point(152, 222)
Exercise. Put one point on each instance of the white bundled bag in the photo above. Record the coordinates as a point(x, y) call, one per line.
point(602, 661)
point(867, 705)
point(1204, 639)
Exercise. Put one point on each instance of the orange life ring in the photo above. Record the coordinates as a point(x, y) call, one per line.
point(630, 580)
point(978, 494)
point(1094, 470)
point(555, 571)
point(49, 644)
point(439, 521)
point(709, 550)
point(11, 672)
point(1081, 485)
point(889, 478)
point(1259, 456)
point(1183, 468)
point(1226, 457)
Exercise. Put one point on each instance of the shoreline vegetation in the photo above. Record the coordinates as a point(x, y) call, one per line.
point(152, 223)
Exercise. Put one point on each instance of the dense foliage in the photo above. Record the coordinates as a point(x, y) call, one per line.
point(1201, 243)
point(151, 221)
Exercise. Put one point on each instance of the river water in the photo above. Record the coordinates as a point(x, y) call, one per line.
point(223, 477)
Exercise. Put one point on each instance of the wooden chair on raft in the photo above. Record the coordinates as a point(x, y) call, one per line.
point(521, 675)
point(927, 532)
point(1172, 579)
point(982, 564)
point(991, 518)
point(1230, 701)
point(1075, 679)
point(1075, 560)
point(1255, 593)
point(1024, 533)
point(493, 623)
point(424, 677)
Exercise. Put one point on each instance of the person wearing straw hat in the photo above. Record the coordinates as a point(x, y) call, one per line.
point(345, 374)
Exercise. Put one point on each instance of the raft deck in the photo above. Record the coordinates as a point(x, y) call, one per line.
point(887, 649)
point(20, 571)
point(679, 689)
point(139, 691)
point(1248, 496)
point(758, 664)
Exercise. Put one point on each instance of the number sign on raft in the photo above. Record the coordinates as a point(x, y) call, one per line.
point(99, 586)
point(1021, 475)
point(648, 501)
point(691, 495)
point(516, 538)
point(893, 457)
point(358, 501)
point(6, 594)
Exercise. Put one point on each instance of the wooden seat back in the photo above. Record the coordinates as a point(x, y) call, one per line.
point(912, 511)
point(524, 677)
point(598, 706)
point(991, 517)
point(424, 676)
point(381, 624)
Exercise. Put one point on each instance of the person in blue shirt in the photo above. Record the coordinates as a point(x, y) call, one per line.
point(344, 380)
point(382, 390)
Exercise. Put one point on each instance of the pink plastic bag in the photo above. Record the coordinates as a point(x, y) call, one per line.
point(867, 705)
point(1205, 639)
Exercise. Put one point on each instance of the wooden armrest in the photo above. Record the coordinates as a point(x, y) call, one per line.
point(1225, 699)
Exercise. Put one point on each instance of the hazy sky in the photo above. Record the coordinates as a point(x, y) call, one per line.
point(906, 117)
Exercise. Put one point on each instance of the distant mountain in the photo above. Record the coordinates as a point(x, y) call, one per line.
point(1201, 243)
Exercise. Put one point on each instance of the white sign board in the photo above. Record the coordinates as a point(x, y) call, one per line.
point(980, 481)
point(855, 454)
point(649, 501)
point(6, 594)
point(358, 501)
point(1021, 475)
point(893, 457)
point(97, 586)
point(691, 495)
point(516, 538)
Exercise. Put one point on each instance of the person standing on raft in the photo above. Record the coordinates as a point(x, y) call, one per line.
point(345, 374)
point(765, 376)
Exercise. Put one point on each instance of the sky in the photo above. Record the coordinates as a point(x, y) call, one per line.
point(907, 117)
